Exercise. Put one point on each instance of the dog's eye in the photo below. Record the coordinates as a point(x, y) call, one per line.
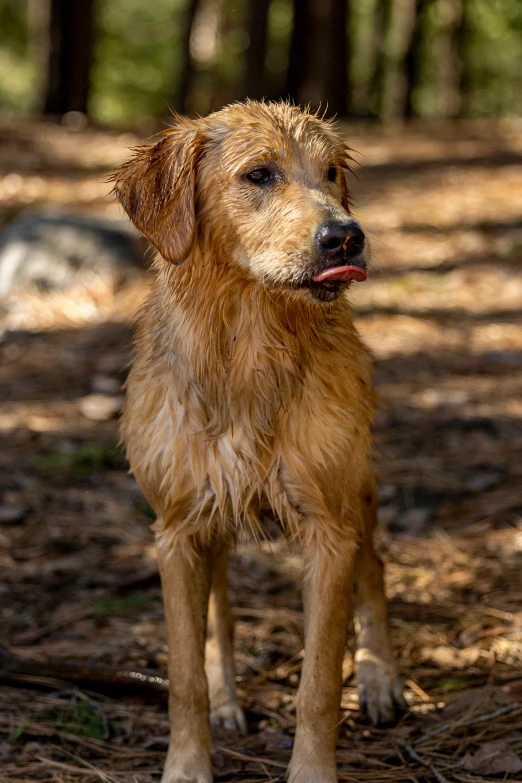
point(332, 174)
point(259, 176)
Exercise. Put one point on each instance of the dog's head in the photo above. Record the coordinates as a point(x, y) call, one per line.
point(258, 185)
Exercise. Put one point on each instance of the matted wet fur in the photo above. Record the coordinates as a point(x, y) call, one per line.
point(251, 389)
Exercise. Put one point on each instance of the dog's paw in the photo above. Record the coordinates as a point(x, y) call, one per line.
point(380, 688)
point(185, 766)
point(229, 716)
point(305, 767)
point(313, 757)
point(311, 773)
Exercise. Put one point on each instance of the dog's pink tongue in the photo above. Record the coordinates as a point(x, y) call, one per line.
point(341, 273)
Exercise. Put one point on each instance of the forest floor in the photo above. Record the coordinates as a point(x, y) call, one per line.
point(79, 583)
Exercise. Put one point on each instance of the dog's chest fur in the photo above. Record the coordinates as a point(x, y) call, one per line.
point(242, 405)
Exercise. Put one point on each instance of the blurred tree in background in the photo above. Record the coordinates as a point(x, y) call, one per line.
point(122, 61)
point(70, 34)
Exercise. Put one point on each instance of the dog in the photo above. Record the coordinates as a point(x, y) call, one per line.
point(251, 389)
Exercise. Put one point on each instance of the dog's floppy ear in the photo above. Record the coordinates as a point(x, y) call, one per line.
point(156, 187)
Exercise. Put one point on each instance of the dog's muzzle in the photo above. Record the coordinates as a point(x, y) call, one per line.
point(339, 249)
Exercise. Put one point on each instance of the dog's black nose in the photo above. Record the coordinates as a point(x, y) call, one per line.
point(340, 240)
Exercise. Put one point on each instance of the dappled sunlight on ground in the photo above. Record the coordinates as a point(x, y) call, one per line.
point(441, 313)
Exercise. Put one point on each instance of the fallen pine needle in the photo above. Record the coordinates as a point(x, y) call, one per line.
point(471, 722)
point(244, 757)
point(420, 760)
point(76, 770)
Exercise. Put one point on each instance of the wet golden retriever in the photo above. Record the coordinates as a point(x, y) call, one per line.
point(251, 389)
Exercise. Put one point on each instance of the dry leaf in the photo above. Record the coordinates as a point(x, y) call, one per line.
point(493, 758)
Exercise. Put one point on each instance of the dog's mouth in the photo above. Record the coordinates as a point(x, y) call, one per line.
point(341, 274)
point(326, 285)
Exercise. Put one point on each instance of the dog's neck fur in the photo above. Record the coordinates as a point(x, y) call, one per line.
point(236, 342)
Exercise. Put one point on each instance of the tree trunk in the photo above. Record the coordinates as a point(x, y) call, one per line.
point(186, 75)
point(71, 38)
point(462, 46)
point(318, 67)
point(413, 58)
point(349, 35)
point(38, 49)
point(297, 43)
point(380, 82)
point(257, 28)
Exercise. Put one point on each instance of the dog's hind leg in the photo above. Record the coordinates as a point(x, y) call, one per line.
point(185, 569)
point(379, 685)
point(219, 653)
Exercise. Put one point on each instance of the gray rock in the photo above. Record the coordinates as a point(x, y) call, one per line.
point(12, 514)
point(53, 251)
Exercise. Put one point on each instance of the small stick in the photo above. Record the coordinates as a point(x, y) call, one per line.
point(418, 690)
point(423, 762)
point(243, 757)
point(13, 667)
point(471, 722)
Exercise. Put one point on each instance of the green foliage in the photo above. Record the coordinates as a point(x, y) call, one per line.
point(137, 55)
point(13, 24)
point(362, 49)
point(88, 459)
point(82, 720)
point(19, 731)
point(495, 56)
point(136, 59)
point(16, 71)
point(491, 54)
point(454, 683)
point(219, 69)
point(108, 605)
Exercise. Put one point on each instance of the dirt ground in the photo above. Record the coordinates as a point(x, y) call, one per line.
point(79, 582)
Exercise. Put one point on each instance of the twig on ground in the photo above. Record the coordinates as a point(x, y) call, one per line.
point(243, 757)
point(97, 771)
point(418, 690)
point(13, 667)
point(471, 722)
point(76, 770)
point(422, 761)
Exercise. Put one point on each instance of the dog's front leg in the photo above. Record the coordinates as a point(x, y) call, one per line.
point(327, 593)
point(185, 575)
